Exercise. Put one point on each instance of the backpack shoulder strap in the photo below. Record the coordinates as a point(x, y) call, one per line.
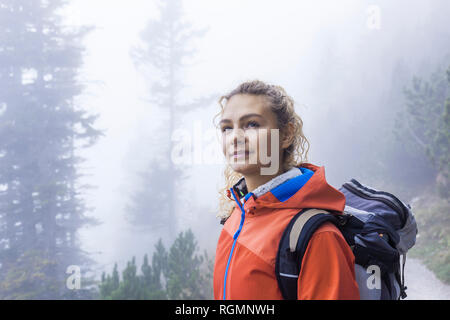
point(292, 247)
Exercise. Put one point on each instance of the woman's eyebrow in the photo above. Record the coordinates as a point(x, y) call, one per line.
point(243, 117)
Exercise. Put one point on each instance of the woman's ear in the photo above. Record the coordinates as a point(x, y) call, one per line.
point(287, 136)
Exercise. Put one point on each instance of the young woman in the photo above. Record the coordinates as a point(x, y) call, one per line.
point(268, 181)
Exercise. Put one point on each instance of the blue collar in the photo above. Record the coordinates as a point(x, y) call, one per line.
point(283, 191)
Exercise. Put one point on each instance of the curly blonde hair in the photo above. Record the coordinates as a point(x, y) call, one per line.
point(283, 107)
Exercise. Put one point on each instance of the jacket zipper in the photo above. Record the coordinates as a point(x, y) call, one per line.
point(235, 236)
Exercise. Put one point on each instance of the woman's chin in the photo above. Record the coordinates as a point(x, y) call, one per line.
point(244, 168)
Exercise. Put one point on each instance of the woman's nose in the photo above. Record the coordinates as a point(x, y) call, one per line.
point(237, 137)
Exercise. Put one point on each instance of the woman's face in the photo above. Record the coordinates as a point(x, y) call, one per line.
point(250, 135)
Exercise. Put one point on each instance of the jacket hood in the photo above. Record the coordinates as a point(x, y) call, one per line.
point(306, 189)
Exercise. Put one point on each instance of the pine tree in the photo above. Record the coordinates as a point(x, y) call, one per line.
point(180, 273)
point(41, 209)
point(152, 281)
point(109, 284)
point(134, 286)
point(159, 267)
point(185, 279)
point(424, 125)
point(164, 52)
point(153, 198)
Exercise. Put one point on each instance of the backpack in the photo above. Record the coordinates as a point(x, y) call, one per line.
point(379, 229)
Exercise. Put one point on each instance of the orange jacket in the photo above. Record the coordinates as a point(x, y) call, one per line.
point(328, 264)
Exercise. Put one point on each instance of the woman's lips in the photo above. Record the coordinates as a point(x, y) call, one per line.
point(240, 154)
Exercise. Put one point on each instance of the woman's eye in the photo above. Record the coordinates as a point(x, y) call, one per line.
point(253, 124)
point(250, 124)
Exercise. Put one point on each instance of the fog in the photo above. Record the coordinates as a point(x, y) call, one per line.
point(343, 62)
point(331, 57)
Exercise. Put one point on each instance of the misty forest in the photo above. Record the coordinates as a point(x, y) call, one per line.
point(96, 98)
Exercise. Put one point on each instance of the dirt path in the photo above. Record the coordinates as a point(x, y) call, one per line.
point(422, 283)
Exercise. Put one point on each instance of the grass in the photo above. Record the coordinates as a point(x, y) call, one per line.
point(432, 215)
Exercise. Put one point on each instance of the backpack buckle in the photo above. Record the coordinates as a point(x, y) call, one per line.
point(343, 219)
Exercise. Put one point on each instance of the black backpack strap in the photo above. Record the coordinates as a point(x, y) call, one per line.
point(292, 247)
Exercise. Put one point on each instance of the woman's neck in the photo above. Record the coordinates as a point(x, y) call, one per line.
point(254, 181)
